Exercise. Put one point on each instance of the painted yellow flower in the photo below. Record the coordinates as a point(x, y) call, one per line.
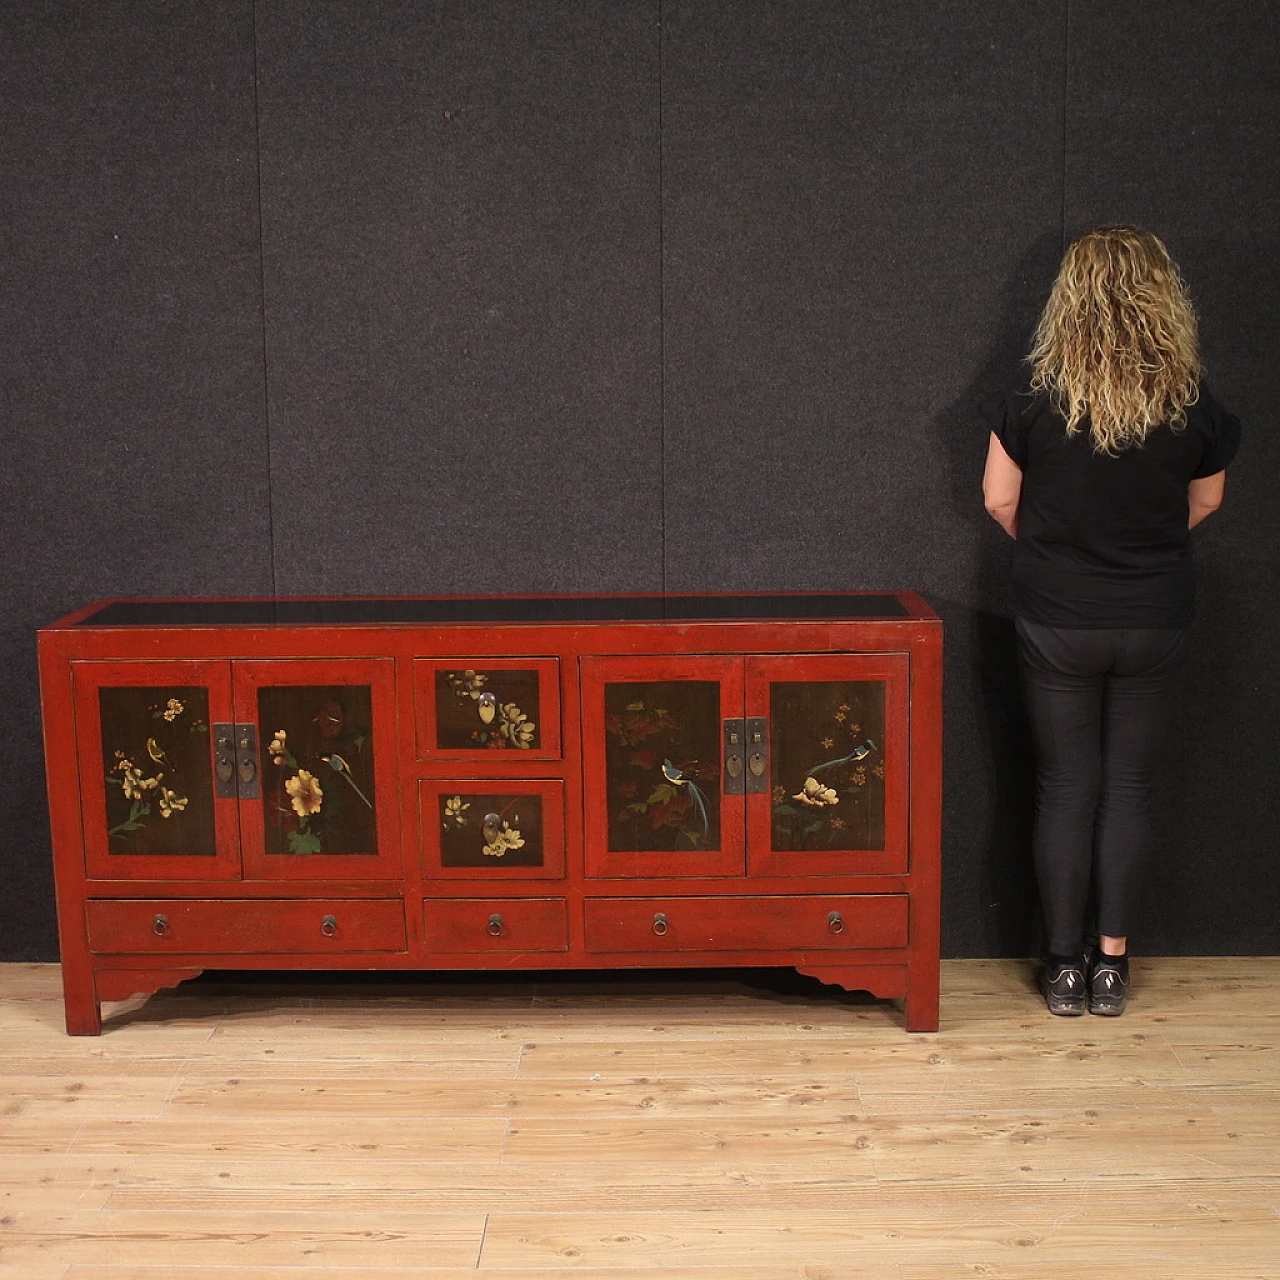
point(516, 727)
point(454, 811)
point(828, 743)
point(277, 748)
point(173, 709)
point(171, 803)
point(816, 794)
point(507, 838)
point(305, 793)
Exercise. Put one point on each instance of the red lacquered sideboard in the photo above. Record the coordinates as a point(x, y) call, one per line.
point(496, 783)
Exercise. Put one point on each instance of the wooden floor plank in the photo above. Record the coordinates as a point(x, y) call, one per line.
point(702, 1127)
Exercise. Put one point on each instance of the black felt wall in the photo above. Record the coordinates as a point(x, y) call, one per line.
point(488, 296)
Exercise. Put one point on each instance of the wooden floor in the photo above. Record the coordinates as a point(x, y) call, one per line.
point(640, 1126)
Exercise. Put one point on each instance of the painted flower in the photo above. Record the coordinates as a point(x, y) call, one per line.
point(171, 803)
point(859, 777)
point(828, 743)
point(508, 838)
point(277, 748)
point(779, 795)
point(516, 727)
point(173, 709)
point(815, 794)
point(455, 810)
point(837, 824)
point(305, 793)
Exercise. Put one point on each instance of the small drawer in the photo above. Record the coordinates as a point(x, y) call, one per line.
point(820, 922)
point(245, 927)
point(494, 709)
point(492, 829)
point(493, 924)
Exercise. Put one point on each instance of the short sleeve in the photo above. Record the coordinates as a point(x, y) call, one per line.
point(1223, 431)
point(1003, 414)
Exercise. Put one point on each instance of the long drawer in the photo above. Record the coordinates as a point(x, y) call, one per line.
point(775, 923)
point(245, 927)
point(497, 924)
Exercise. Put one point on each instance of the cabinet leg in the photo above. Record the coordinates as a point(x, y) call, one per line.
point(922, 1010)
point(82, 1007)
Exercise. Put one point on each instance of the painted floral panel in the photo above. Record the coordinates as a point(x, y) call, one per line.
point(487, 710)
point(159, 772)
point(317, 770)
point(827, 748)
point(662, 765)
point(491, 831)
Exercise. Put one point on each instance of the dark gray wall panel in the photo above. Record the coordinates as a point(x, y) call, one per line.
point(28, 924)
point(130, 340)
point(850, 191)
point(131, 382)
point(461, 227)
point(863, 210)
point(1173, 120)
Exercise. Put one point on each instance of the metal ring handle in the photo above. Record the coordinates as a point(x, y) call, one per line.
point(329, 926)
point(660, 923)
point(160, 926)
point(496, 929)
point(835, 922)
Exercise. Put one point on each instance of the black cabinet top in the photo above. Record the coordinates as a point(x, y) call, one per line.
point(438, 610)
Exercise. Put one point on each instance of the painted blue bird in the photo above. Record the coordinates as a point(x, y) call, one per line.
point(682, 779)
point(858, 753)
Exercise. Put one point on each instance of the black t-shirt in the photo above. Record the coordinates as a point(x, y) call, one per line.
point(1103, 541)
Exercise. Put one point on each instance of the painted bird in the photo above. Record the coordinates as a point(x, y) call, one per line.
point(343, 769)
point(681, 779)
point(858, 753)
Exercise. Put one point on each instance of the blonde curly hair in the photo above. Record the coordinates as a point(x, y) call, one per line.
point(1118, 343)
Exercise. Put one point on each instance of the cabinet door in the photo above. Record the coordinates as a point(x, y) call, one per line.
point(328, 803)
point(147, 761)
point(837, 798)
point(653, 766)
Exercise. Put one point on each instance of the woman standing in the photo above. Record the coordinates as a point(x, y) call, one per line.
point(1099, 468)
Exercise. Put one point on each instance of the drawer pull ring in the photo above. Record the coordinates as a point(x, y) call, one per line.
point(329, 926)
point(160, 926)
point(495, 926)
point(660, 923)
point(835, 922)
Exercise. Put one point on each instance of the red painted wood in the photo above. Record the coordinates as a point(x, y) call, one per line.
point(765, 910)
point(746, 924)
point(120, 984)
point(496, 924)
point(887, 981)
point(162, 927)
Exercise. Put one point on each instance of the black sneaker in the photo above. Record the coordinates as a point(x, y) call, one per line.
point(1108, 987)
point(1065, 989)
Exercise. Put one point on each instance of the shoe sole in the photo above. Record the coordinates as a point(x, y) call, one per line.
point(1106, 1010)
point(1061, 1008)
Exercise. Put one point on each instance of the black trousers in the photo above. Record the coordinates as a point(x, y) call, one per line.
point(1099, 703)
